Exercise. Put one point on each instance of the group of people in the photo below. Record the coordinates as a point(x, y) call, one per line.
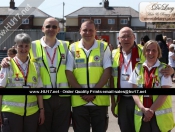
point(53, 63)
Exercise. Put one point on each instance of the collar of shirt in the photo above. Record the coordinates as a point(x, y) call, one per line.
point(21, 63)
point(155, 65)
point(95, 45)
point(45, 45)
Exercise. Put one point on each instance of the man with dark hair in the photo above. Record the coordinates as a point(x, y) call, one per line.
point(89, 66)
point(164, 48)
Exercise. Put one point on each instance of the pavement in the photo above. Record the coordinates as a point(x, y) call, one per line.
point(113, 122)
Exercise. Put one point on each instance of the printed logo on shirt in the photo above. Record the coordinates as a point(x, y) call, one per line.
point(63, 56)
point(77, 54)
point(1, 75)
point(96, 58)
point(34, 79)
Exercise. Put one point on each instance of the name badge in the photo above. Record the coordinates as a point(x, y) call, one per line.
point(125, 77)
point(18, 79)
point(79, 60)
point(26, 86)
point(52, 69)
point(137, 59)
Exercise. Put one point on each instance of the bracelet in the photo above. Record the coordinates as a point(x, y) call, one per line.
point(41, 108)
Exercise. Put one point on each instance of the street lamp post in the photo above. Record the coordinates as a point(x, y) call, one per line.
point(63, 15)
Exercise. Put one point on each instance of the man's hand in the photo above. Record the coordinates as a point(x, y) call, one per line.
point(4, 62)
point(112, 110)
point(167, 71)
point(88, 98)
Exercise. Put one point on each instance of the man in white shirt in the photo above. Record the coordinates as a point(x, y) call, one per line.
point(89, 66)
point(50, 54)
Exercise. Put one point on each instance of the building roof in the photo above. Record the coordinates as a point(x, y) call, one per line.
point(112, 11)
point(32, 11)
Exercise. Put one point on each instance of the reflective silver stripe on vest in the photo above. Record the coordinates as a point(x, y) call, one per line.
point(18, 84)
point(101, 53)
point(158, 112)
point(92, 64)
point(47, 86)
point(34, 48)
point(165, 111)
point(60, 85)
point(86, 86)
point(19, 104)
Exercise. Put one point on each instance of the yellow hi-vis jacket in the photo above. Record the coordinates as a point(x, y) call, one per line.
point(38, 54)
point(115, 65)
point(88, 71)
point(23, 105)
point(164, 114)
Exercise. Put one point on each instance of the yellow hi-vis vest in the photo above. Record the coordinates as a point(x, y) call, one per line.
point(115, 65)
point(38, 54)
point(164, 114)
point(88, 70)
point(23, 105)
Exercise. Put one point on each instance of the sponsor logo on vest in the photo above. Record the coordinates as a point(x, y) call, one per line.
point(62, 56)
point(2, 76)
point(96, 58)
point(79, 60)
point(34, 79)
point(78, 54)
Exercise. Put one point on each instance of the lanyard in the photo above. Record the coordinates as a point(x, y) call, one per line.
point(21, 69)
point(126, 66)
point(51, 59)
point(148, 75)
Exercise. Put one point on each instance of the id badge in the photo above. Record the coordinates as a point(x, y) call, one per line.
point(26, 86)
point(52, 69)
point(125, 77)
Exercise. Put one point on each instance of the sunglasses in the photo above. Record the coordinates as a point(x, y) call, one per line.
point(53, 26)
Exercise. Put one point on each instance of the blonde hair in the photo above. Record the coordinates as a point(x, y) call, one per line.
point(149, 43)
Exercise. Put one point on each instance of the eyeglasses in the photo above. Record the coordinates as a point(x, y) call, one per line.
point(53, 26)
point(128, 36)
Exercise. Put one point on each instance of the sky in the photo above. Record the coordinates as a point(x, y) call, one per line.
point(55, 7)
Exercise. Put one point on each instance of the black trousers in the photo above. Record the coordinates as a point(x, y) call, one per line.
point(16, 123)
point(57, 114)
point(126, 108)
point(83, 116)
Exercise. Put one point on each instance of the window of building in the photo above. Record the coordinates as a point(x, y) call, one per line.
point(82, 20)
point(97, 21)
point(25, 21)
point(111, 21)
point(1, 21)
point(124, 21)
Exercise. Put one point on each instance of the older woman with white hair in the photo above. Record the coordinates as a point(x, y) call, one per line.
point(21, 113)
point(153, 113)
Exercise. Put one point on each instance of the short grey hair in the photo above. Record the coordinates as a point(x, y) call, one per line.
point(169, 40)
point(22, 38)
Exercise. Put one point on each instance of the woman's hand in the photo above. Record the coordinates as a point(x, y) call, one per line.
point(41, 117)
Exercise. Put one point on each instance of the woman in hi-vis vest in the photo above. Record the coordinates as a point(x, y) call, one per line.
point(21, 113)
point(153, 113)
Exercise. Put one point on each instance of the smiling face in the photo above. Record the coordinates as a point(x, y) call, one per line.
point(151, 52)
point(51, 28)
point(88, 32)
point(22, 49)
point(126, 38)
